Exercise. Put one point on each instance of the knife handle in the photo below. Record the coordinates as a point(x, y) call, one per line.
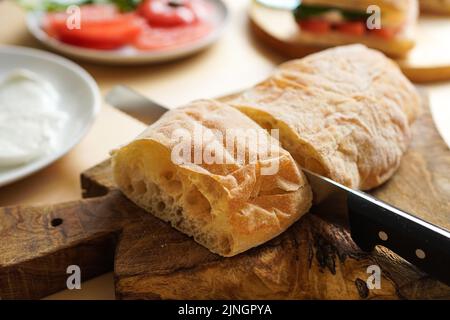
point(374, 222)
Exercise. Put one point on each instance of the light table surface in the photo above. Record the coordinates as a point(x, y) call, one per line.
point(236, 62)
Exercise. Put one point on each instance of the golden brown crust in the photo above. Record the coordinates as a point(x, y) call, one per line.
point(397, 5)
point(343, 112)
point(228, 207)
point(397, 47)
point(435, 6)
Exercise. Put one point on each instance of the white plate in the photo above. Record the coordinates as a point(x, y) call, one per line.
point(76, 88)
point(129, 55)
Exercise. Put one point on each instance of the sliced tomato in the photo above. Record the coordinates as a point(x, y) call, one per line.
point(122, 31)
point(385, 33)
point(163, 38)
point(101, 27)
point(315, 26)
point(354, 28)
point(168, 13)
point(88, 13)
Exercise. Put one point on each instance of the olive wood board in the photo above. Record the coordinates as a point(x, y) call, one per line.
point(314, 259)
point(429, 61)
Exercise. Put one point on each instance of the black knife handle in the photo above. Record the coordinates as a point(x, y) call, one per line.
point(373, 222)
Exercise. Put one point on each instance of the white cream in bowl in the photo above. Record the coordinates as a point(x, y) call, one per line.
point(30, 117)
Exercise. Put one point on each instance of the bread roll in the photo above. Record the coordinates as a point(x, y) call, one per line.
point(227, 207)
point(344, 113)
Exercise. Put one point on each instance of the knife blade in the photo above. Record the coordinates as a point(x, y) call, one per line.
point(372, 222)
point(135, 104)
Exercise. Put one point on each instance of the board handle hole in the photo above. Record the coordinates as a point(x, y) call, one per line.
point(56, 222)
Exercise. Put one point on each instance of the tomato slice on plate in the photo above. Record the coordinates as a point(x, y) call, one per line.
point(316, 26)
point(101, 27)
point(163, 38)
point(88, 14)
point(111, 35)
point(168, 13)
point(354, 28)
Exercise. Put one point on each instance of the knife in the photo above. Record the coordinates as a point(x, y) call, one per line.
point(372, 222)
point(135, 104)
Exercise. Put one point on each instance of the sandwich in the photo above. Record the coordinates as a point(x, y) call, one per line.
point(386, 25)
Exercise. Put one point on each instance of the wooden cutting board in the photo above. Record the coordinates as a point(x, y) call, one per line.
point(314, 259)
point(429, 61)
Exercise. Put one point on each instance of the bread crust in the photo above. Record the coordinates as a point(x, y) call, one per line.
point(228, 208)
point(397, 47)
point(391, 5)
point(343, 112)
point(435, 6)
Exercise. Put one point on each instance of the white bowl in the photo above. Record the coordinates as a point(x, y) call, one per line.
point(78, 91)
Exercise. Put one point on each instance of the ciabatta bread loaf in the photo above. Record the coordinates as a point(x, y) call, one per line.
point(343, 113)
point(173, 170)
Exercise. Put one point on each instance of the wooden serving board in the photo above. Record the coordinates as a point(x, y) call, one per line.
point(429, 61)
point(314, 259)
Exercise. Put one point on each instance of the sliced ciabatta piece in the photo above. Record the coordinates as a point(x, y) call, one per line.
point(344, 113)
point(174, 171)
